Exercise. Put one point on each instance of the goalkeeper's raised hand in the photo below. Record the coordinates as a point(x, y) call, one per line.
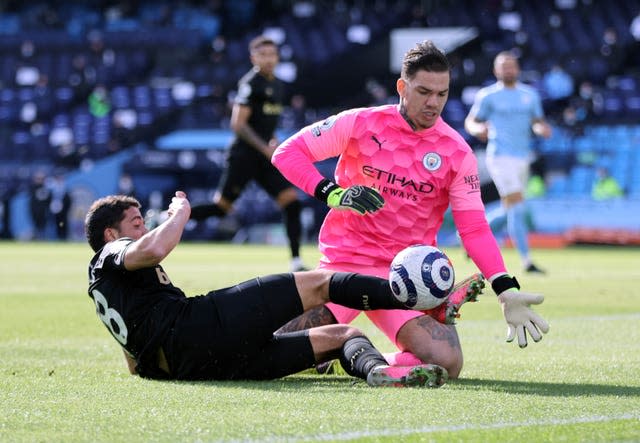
point(361, 199)
point(521, 319)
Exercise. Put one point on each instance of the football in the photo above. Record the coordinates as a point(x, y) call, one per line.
point(421, 277)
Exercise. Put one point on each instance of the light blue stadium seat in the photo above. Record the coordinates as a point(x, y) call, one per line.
point(558, 187)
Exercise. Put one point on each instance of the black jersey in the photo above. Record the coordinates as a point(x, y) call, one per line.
point(225, 334)
point(138, 307)
point(265, 98)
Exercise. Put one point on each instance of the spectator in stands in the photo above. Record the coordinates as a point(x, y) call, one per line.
point(27, 49)
point(504, 114)
point(571, 120)
point(558, 85)
point(634, 27)
point(123, 129)
point(633, 56)
point(7, 191)
point(536, 187)
point(83, 75)
point(378, 93)
point(254, 117)
point(99, 102)
point(43, 15)
point(583, 102)
point(39, 203)
point(218, 49)
point(297, 115)
point(60, 206)
point(27, 75)
point(611, 49)
point(126, 185)
point(605, 186)
point(536, 184)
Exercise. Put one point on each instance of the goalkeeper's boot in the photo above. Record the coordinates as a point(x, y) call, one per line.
point(465, 291)
point(430, 376)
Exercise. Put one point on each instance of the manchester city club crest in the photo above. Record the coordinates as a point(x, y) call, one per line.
point(431, 161)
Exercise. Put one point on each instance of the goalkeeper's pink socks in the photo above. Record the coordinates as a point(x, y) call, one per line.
point(402, 359)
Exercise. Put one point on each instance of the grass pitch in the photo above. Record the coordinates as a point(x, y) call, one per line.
point(63, 378)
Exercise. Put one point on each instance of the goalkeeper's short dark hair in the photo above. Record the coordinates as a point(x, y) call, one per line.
point(424, 56)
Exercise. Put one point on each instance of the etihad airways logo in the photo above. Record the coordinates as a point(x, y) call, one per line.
point(406, 184)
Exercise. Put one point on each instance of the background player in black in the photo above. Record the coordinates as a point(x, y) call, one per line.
point(227, 333)
point(255, 115)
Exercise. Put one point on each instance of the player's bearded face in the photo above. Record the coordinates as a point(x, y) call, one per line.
point(507, 70)
point(132, 225)
point(422, 98)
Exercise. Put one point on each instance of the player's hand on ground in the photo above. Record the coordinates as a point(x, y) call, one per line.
point(361, 199)
point(521, 319)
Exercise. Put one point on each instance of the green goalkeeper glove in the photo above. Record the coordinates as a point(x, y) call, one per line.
point(361, 199)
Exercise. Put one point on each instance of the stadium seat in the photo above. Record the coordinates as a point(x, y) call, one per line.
point(145, 57)
point(557, 187)
point(613, 104)
point(632, 104)
point(120, 97)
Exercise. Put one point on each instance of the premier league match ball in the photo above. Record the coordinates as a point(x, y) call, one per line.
point(421, 277)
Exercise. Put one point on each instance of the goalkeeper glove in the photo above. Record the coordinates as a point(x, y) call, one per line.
point(361, 199)
point(520, 318)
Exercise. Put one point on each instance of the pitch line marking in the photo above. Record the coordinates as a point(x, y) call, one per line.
point(463, 427)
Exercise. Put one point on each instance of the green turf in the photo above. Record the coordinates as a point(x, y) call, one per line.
point(63, 378)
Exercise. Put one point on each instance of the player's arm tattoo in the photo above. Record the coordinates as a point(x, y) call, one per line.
point(439, 331)
point(319, 316)
point(403, 113)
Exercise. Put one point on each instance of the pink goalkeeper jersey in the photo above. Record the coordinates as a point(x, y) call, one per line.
point(418, 173)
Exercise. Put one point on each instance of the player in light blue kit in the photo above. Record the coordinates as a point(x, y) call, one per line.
point(505, 114)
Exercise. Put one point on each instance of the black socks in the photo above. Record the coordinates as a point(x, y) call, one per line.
point(363, 292)
point(359, 357)
point(293, 226)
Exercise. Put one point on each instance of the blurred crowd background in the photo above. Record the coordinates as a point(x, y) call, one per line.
point(98, 97)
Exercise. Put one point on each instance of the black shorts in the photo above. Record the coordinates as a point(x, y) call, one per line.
point(244, 164)
point(228, 333)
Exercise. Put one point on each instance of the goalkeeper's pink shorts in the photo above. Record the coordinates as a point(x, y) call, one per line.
point(388, 321)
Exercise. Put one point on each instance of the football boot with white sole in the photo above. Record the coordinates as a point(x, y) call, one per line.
point(430, 376)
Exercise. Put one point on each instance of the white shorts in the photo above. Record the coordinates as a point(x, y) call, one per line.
point(509, 174)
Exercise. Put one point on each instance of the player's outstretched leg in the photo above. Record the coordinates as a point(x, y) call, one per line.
point(465, 291)
point(432, 376)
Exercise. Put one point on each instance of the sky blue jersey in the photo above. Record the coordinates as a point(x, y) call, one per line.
point(510, 112)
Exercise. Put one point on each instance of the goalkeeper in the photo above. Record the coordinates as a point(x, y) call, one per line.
point(399, 168)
